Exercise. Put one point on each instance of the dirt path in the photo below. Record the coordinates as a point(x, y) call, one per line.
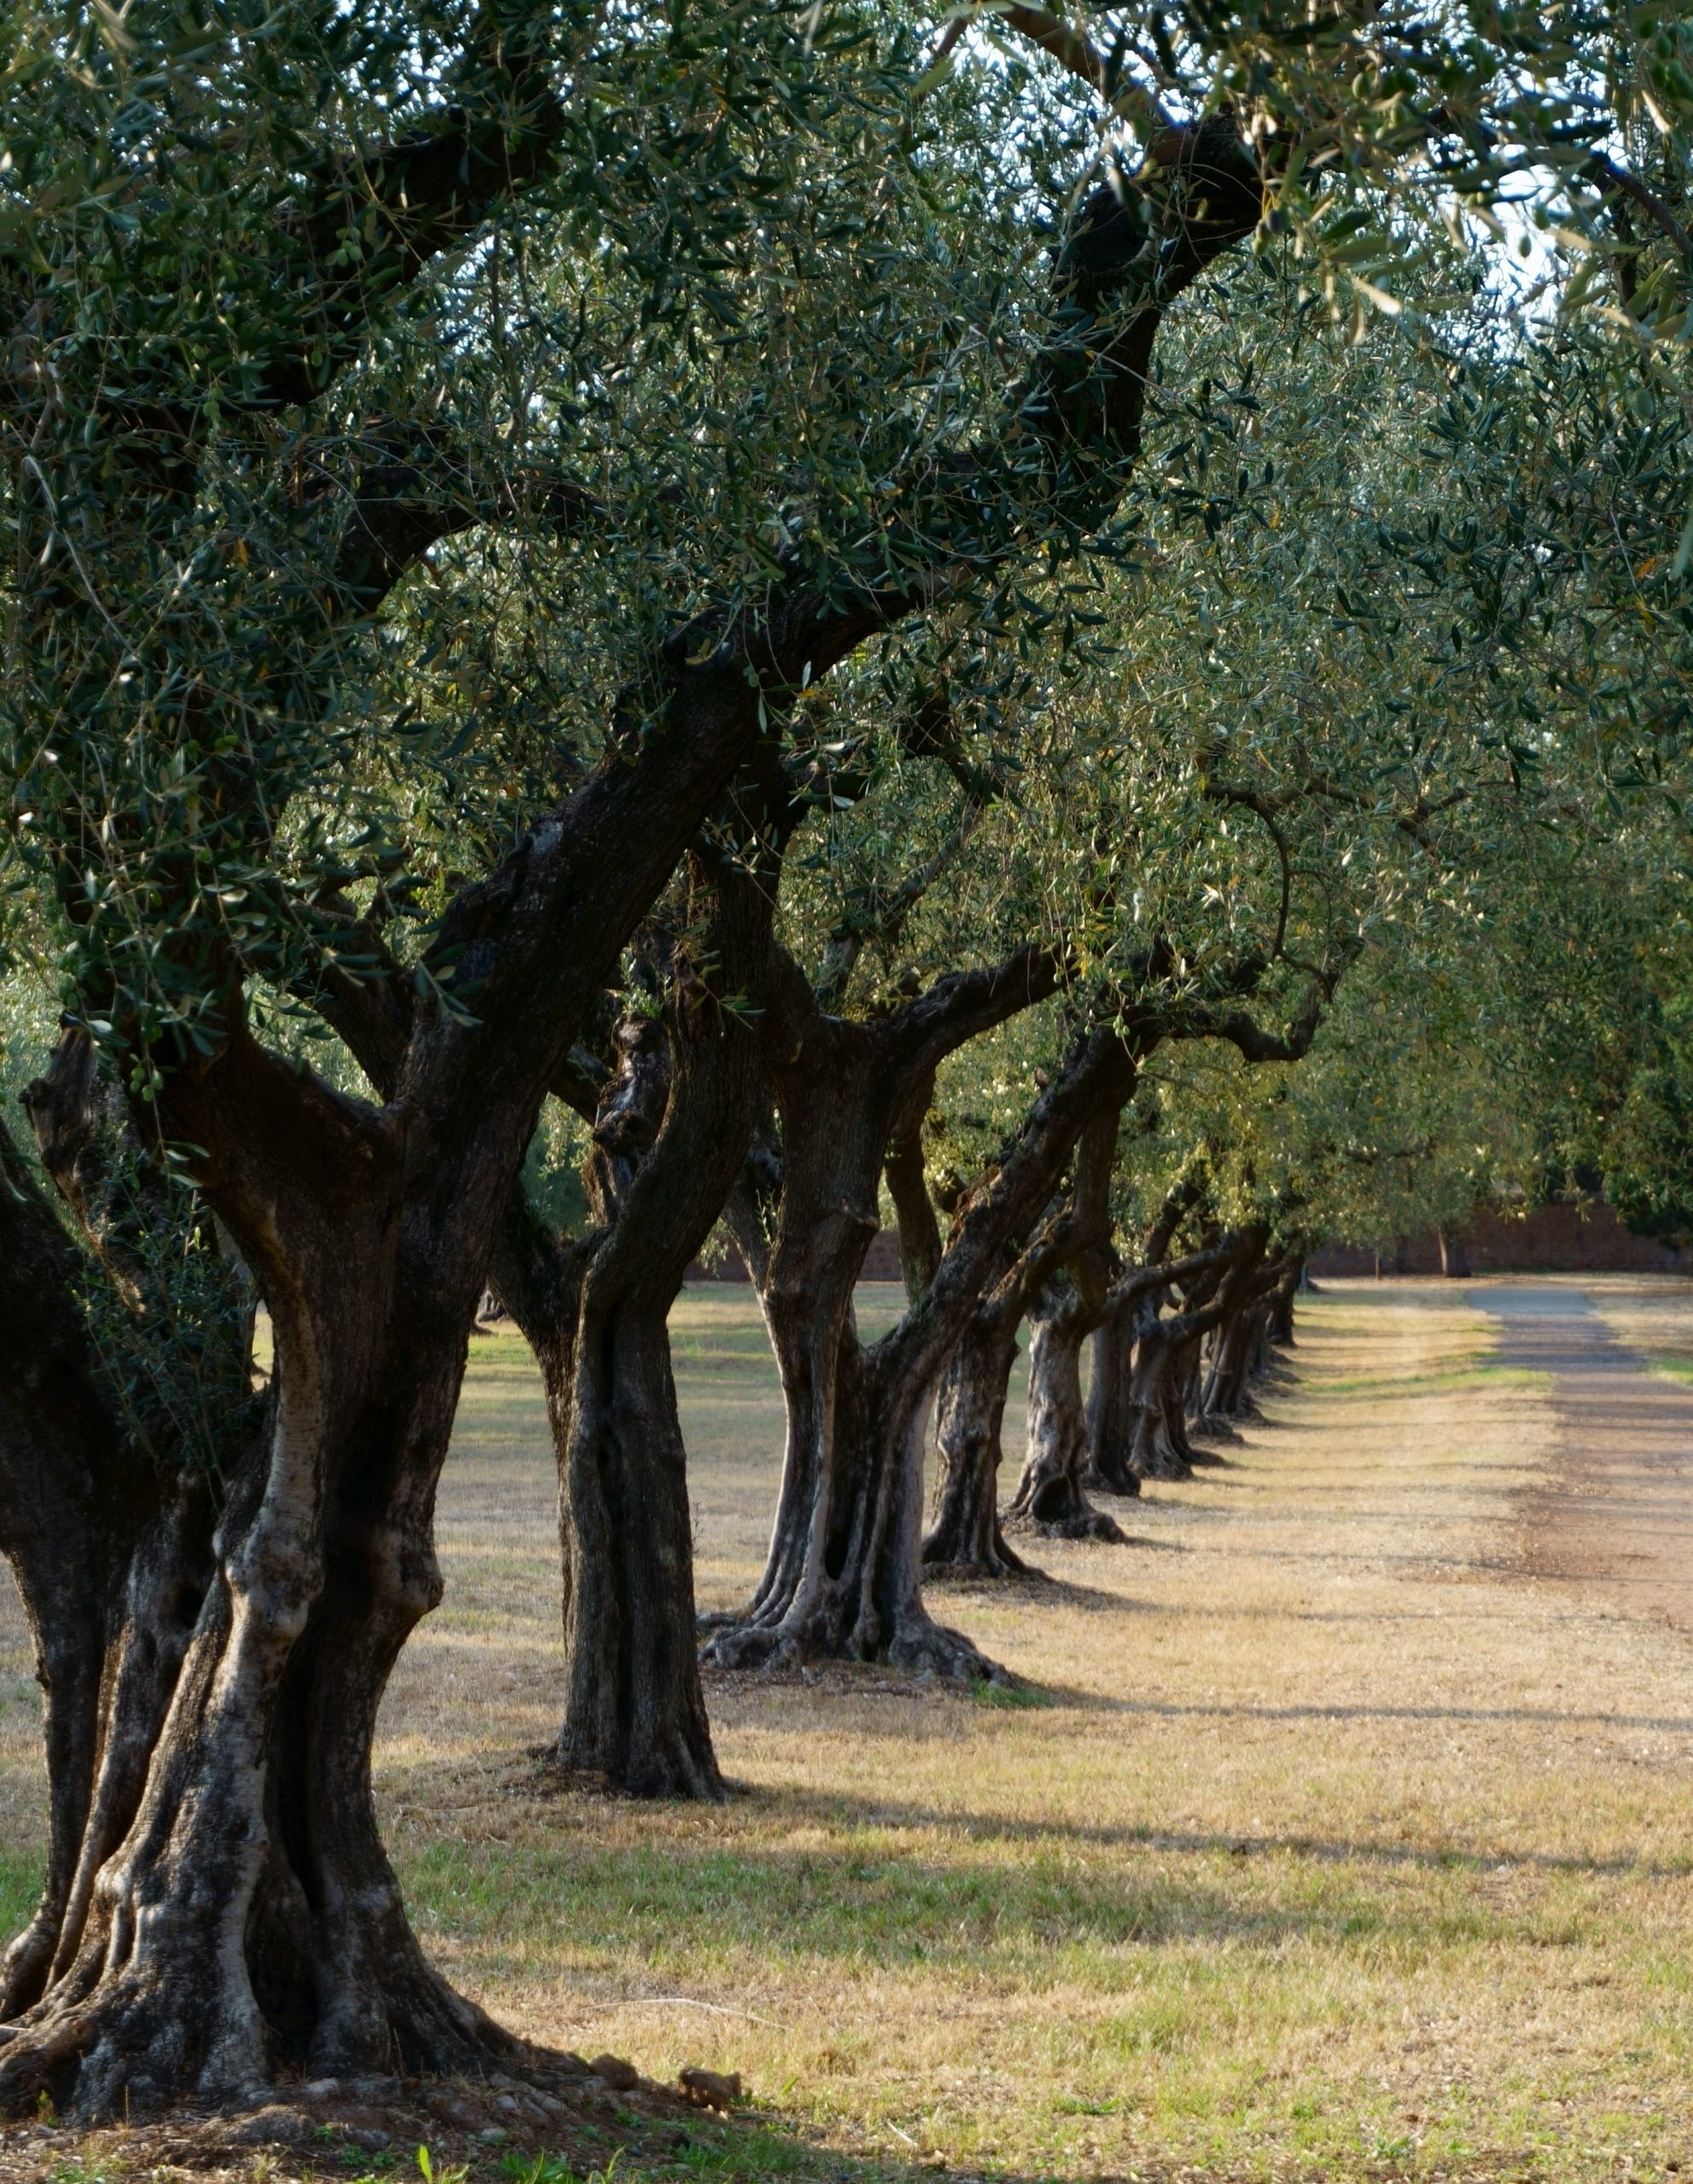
point(1615, 1518)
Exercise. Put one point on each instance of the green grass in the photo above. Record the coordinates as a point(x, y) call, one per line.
point(1011, 1697)
point(20, 1878)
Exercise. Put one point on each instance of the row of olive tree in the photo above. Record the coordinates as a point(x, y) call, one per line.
point(729, 344)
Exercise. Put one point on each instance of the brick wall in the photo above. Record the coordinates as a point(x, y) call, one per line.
point(1552, 1240)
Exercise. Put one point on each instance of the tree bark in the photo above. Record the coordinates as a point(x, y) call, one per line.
point(66, 1528)
point(920, 1239)
point(1111, 1402)
point(1160, 1448)
point(1223, 1395)
point(106, 1475)
point(832, 1581)
point(1283, 1302)
point(844, 1570)
point(1117, 1401)
point(635, 1709)
point(965, 1538)
point(247, 1918)
point(218, 1898)
point(1050, 1498)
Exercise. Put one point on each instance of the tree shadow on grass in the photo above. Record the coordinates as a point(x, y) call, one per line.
point(1041, 1587)
point(1328, 1851)
point(811, 1884)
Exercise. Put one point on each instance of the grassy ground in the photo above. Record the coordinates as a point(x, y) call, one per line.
point(1334, 1845)
point(1650, 1315)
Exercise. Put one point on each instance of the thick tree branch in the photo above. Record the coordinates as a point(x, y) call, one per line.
point(1603, 168)
point(406, 202)
point(1254, 1043)
point(920, 1239)
point(411, 488)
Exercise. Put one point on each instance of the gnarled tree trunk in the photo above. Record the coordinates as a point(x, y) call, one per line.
point(841, 1577)
point(219, 1903)
point(1282, 1303)
point(1160, 1448)
point(1050, 1497)
point(965, 1538)
point(844, 1566)
point(1124, 1381)
point(635, 1709)
point(69, 1531)
point(1112, 1408)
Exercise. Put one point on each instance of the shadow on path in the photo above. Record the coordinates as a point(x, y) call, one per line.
point(1616, 1517)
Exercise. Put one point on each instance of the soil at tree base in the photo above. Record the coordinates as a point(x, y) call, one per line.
point(363, 2127)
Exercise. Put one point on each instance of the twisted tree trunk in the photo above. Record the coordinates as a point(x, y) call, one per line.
point(844, 1572)
point(635, 1709)
point(1160, 1447)
point(69, 1531)
point(1283, 1300)
point(1116, 1403)
point(247, 1918)
point(965, 1538)
point(1112, 1411)
point(840, 1575)
point(1242, 1322)
point(1050, 1497)
point(842, 1579)
point(217, 1900)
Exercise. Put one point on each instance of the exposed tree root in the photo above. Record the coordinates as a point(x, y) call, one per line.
point(970, 1541)
point(755, 1643)
point(135, 2041)
point(1086, 1522)
point(555, 2104)
point(1002, 1565)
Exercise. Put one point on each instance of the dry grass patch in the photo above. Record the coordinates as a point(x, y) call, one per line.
point(1332, 1846)
point(1653, 1314)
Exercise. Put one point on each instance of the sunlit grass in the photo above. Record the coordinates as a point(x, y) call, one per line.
point(1313, 1840)
point(19, 1886)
